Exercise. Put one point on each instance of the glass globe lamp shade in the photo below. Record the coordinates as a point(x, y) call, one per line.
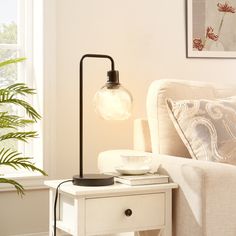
point(113, 102)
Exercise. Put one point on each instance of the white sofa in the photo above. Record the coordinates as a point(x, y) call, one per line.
point(205, 202)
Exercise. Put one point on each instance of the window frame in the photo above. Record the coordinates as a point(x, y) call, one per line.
point(41, 15)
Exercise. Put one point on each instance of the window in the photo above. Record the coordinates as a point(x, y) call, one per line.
point(17, 32)
point(8, 39)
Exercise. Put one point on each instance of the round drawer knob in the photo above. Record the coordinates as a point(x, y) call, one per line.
point(128, 212)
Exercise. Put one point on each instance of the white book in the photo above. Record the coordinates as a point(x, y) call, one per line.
point(142, 179)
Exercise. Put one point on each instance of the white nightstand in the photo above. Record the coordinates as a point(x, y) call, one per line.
point(111, 209)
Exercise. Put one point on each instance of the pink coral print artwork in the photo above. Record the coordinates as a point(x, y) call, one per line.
point(212, 24)
point(225, 8)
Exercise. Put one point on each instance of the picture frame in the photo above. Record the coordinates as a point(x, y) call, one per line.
point(211, 28)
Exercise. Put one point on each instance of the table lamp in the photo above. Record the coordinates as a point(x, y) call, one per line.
point(112, 102)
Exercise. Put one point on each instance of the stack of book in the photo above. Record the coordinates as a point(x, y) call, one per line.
point(142, 179)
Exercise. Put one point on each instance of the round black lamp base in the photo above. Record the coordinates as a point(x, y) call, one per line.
point(93, 180)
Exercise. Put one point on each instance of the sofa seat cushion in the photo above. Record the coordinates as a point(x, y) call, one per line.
point(206, 127)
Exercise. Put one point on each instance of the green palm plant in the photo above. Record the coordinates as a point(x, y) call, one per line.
point(11, 127)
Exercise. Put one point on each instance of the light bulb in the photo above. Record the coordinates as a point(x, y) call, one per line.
point(113, 102)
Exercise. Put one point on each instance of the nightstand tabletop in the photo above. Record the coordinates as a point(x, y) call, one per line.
point(82, 191)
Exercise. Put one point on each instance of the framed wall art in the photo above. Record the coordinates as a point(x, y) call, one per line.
point(211, 28)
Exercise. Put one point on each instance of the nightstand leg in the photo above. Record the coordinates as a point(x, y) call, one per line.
point(51, 200)
point(168, 216)
point(79, 205)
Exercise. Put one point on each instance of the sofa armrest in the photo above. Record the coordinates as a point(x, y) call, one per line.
point(205, 197)
point(142, 139)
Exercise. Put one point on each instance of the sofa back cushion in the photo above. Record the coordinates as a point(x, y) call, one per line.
point(164, 137)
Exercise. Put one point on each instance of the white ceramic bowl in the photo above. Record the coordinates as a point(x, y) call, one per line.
point(135, 161)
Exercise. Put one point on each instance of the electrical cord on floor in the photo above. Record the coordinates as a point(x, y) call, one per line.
point(55, 206)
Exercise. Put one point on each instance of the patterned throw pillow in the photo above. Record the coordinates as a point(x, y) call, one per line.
point(207, 127)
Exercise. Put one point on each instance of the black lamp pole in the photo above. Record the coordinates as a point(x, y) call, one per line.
point(113, 81)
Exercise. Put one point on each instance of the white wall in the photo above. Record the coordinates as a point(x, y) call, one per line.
point(23, 215)
point(146, 40)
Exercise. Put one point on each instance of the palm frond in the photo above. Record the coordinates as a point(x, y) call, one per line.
point(12, 61)
point(8, 157)
point(13, 121)
point(20, 88)
point(16, 89)
point(12, 159)
point(19, 188)
point(21, 136)
point(31, 112)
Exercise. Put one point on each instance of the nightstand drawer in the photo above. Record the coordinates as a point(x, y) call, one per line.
point(117, 214)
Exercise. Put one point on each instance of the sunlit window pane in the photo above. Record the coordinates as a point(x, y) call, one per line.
point(8, 74)
point(8, 22)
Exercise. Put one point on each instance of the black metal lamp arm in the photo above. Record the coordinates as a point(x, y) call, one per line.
point(81, 101)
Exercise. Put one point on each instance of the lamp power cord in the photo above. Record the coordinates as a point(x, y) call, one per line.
point(55, 206)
